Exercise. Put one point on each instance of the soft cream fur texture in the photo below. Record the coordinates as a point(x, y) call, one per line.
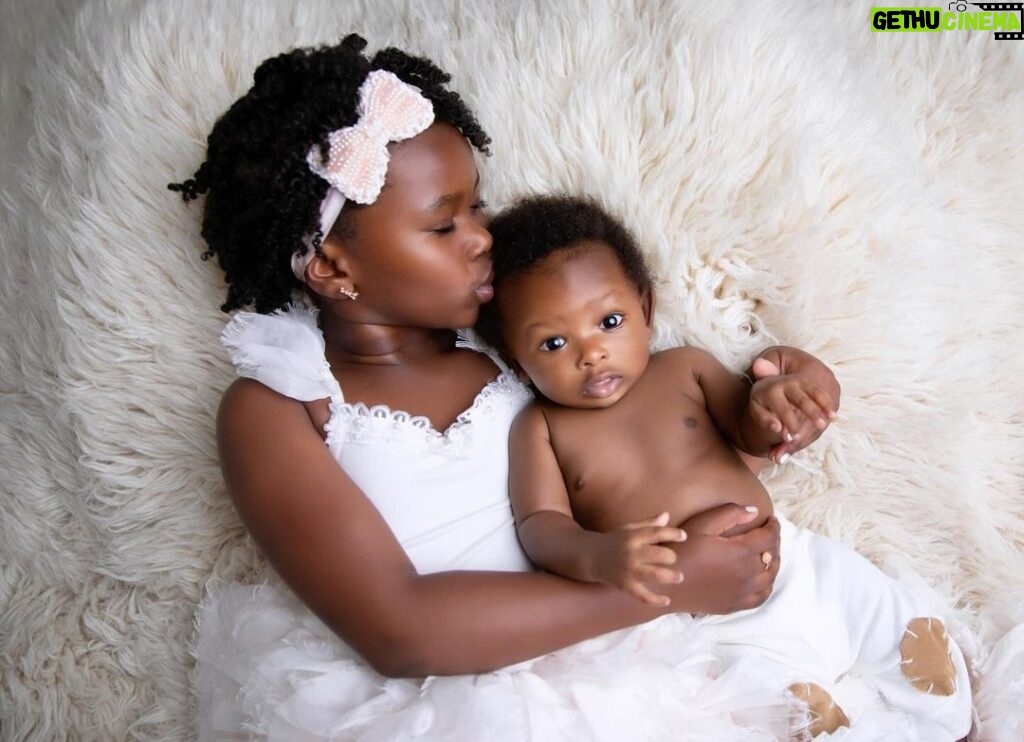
point(793, 177)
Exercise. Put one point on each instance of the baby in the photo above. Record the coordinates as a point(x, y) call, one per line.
point(618, 434)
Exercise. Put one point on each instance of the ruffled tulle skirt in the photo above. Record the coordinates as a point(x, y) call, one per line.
point(268, 669)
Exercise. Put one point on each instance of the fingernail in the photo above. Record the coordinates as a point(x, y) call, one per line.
point(789, 437)
point(682, 535)
point(784, 458)
point(750, 509)
point(821, 424)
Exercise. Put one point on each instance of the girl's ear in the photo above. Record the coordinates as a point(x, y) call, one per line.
point(647, 301)
point(330, 272)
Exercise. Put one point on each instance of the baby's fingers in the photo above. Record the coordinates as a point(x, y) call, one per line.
point(654, 555)
point(657, 575)
point(661, 519)
point(642, 538)
point(645, 595)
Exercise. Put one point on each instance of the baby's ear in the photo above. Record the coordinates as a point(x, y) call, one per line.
point(647, 300)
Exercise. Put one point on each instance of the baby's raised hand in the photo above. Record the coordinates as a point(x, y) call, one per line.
point(632, 557)
point(793, 406)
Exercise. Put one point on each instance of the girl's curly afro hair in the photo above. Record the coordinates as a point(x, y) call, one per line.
point(261, 197)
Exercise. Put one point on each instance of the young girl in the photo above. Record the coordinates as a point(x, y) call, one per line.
point(618, 434)
point(349, 184)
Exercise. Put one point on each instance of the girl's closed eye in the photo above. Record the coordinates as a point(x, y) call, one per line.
point(613, 320)
point(449, 227)
point(553, 343)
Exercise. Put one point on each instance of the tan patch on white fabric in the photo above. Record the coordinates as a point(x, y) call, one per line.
point(926, 661)
point(825, 714)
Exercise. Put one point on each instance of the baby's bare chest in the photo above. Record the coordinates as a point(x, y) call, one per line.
point(645, 455)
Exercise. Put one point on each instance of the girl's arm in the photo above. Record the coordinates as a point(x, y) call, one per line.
point(781, 360)
point(628, 558)
point(333, 548)
point(786, 360)
point(770, 362)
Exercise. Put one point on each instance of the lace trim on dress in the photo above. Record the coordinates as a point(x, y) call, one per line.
point(355, 421)
point(285, 351)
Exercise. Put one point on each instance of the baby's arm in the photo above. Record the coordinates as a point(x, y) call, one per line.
point(758, 419)
point(629, 558)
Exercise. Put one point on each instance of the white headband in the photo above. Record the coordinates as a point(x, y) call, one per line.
point(389, 110)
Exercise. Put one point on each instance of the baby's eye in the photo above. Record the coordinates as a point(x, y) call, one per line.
point(478, 204)
point(612, 321)
point(552, 343)
point(445, 229)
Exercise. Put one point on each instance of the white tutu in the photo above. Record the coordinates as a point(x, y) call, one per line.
point(1000, 697)
point(269, 669)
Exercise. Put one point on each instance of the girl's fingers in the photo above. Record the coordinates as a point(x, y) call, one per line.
point(814, 402)
point(792, 420)
point(765, 417)
point(779, 408)
point(824, 402)
point(811, 409)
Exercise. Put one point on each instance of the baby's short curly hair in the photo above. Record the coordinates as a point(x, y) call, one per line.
point(537, 226)
point(261, 197)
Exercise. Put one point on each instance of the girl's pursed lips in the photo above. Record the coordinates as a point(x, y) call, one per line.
point(485, 289)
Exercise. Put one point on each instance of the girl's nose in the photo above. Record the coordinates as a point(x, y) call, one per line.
point(479, 240)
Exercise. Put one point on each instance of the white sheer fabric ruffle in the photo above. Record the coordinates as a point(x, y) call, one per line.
point(276, 672)
point(999, 700)
point(284, 351)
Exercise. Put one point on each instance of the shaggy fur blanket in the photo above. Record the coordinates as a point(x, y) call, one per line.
point(793, 176)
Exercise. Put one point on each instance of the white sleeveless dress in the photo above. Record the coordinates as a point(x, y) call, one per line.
point(267, 668)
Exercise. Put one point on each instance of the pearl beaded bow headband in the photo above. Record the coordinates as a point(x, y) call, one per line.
point(389, 110)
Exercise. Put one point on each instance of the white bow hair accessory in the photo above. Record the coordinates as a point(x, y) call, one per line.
point(389, 110)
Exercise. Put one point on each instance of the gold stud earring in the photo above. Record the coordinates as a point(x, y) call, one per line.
point(353, 295)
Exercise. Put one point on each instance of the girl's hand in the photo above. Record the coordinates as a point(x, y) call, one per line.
point(724, 561)
point(794, 406)
point(633, 557)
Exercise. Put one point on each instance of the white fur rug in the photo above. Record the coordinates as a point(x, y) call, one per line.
point(795, 178)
